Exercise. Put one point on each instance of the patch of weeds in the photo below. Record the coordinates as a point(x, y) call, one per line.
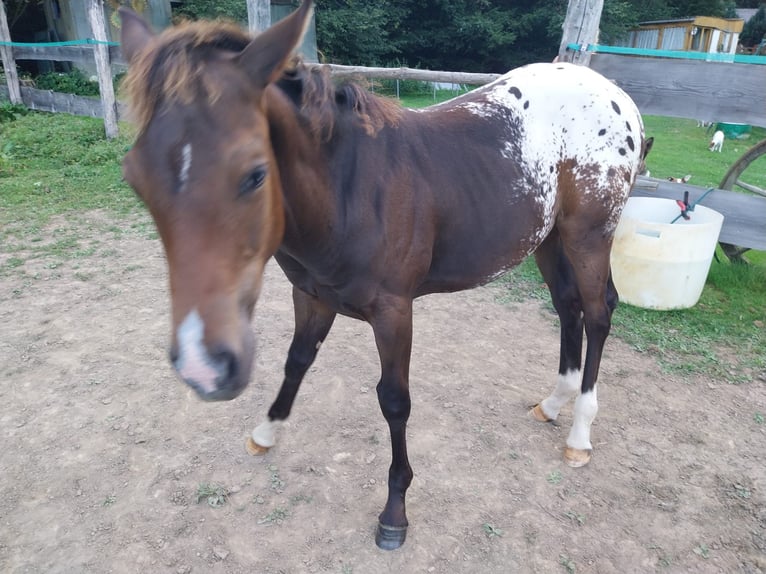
point(491, 530)
point(347, 569)
point(276, 483)
point(373, 439)
point(296, 500)
point(215, 494)
point(758, 418)
point(9, 112)
point(742, 491)
point(258, 499)
point(276, 516)
point(14, 262)
point(664, 561)
point(567, 563)
point(109, 500)
point(513, 455)
point(702, 550)
point(554, 477)
point(575, 517)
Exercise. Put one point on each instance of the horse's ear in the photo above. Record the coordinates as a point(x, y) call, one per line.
point(264, 58)
point(134, 35)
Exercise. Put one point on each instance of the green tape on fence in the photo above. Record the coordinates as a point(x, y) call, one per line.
point(703, 56)
point(85, 42)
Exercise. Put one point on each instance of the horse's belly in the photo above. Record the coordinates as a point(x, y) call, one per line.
point(482, 254)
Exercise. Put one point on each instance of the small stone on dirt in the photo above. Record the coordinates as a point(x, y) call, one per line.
point(220, 553)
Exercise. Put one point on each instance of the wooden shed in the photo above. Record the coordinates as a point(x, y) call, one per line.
point(699, 34)
point(69, 20)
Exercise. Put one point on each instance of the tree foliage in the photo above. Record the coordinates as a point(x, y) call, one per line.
point(358, 31)
point(210, 10)
point(467, 35)
point(474, 35)
point(755, 28)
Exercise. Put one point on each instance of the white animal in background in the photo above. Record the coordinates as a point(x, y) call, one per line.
point(683, 179)
point(716, 144)
point(703, 124)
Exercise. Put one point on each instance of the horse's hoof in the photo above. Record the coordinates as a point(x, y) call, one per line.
point(254, 448)
point(537, 413)
point(390, 537)
point(576, 457)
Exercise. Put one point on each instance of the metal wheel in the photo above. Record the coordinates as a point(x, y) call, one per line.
point(733, 179)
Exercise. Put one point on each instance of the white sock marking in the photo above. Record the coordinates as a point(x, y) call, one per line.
point(194, 363)
point(186, 159)
point(567, 386)
point(265, 434)
point(585, 409)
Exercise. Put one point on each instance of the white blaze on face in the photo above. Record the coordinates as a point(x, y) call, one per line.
point(567, 386)
point(194, 364)
point(585, 409)
point(186, 159)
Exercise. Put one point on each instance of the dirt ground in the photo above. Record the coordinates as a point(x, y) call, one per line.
point(104, 452)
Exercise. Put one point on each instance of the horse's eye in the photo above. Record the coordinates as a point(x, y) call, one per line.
point(253, 180)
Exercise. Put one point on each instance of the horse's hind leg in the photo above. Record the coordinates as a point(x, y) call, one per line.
point(313, 321)
point(587, 245)
point(559, 276)
point(582, 295)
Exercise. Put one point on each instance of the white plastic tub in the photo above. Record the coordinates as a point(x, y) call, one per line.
point(659, 265)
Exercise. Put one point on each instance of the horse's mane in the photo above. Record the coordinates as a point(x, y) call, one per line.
point(170, 70)
point(322, 101)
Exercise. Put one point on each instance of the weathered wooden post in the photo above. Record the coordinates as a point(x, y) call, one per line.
point(103, 67)
point(6, 54)
point(580, 27)
point(258, 15)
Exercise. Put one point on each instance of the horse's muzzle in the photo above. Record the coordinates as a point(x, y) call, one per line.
point(214, 377)
point(216, 373)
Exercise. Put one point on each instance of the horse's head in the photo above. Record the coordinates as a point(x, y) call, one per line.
point(204, 166)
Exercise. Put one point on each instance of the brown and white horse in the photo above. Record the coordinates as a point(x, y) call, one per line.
point(242, 154)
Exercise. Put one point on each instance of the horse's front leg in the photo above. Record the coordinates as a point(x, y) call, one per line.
point(313, 320)
point(392, 325)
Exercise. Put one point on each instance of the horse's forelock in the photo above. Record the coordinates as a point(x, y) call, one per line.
point(170, 68)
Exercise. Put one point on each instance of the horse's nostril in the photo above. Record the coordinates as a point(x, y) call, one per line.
point(228, 361)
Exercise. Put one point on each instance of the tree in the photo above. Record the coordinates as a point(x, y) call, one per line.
point(755, 28)
point(211, 9)
point(358, 31)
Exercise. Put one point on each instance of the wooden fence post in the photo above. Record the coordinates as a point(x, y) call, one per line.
point(9, 64)
point(258, 15)
point(103, 67)
point(580, 27)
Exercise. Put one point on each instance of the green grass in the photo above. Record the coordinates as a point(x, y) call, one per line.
point(423, 100)
point(680, 148)
point(56, 163)
point(54, 167)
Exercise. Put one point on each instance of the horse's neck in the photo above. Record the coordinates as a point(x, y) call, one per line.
point(310, 208)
